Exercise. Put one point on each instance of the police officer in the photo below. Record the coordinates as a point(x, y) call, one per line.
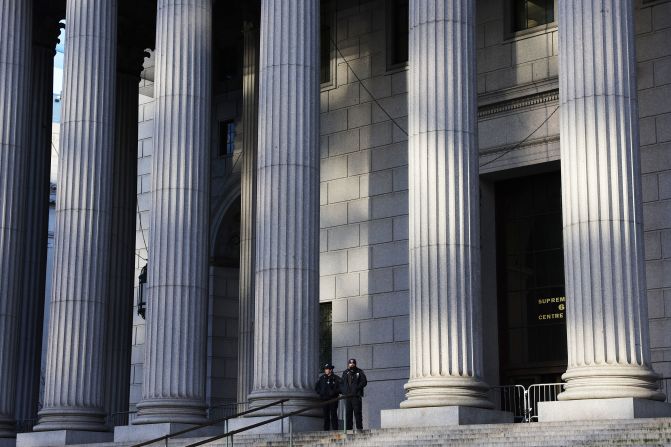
point(328, 387)
point(353, 382)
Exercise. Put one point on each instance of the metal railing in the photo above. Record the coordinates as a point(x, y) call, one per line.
point(225, 410)
point(523, 402)
point(230, 434)
point(224, 420)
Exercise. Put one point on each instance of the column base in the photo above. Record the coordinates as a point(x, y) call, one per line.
point(441, 416)
point(71, 420)
point(145, 432)
point(602, 409)
point(62, 437)
point(446, 392)
point(170, 411)
point(610, 382)
point(298, 424)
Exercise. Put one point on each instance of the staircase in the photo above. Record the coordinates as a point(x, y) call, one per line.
point(656, 432)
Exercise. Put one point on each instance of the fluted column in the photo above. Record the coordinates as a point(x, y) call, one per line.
point(250, 102)
point(15, 58)
point(34, 254)
point(175, 349)
point(606, 307)
point(287, 216)
point(122, 242)
point(445, 321)
point(73, 397)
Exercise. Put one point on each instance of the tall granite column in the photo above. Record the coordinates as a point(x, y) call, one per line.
point(606, 309)
point(287, 213)
point(250, 102)
point(175, 348)
point(122, 242)
point(73, 397)
point(445, 321)
point(34, 254)
point(15, 58)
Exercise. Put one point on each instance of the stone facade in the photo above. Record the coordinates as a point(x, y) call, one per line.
point(364, 177)
point(364, 206)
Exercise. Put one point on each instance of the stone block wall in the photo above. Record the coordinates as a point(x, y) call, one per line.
point(364, 205)
point(653, 47)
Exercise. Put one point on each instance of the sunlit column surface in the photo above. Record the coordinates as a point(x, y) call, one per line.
point(287, 214)
point(175, 348)
point(74, 392)
point(445, 325)
point(606, 308)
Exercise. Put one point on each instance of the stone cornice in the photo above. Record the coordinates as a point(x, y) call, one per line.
point(519, 103)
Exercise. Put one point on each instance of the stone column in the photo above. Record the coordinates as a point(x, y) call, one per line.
point(250, 103)
point(287, 216)
point(445, 321)
point(606, 308)
point(34, 254)
point(73, 398)
point(175, 349)
point(122, 241)
point(15, 58)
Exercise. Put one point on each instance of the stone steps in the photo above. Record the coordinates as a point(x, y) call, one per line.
point(626, 433)
point(587, 433)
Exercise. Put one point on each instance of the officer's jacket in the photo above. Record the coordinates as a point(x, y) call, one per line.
point(353, 382)
point(328, 387)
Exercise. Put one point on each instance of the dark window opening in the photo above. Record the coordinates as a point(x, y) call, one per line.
point(530, 277)
point(226, 138)
point(398, 32)
point(325, 325)
point(531, 13)
point(326, 46)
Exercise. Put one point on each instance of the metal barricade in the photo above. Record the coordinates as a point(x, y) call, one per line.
point(523, 402)
point(541, 392)
point(511, 398)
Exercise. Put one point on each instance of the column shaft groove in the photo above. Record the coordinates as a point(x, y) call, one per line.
point(250, 94)
point(73, 397)
point(445, 325)
point(606, 308)
point(122, 241)
point(15, 60)
point(287, 214)
point(175, 353)
point(45, 33)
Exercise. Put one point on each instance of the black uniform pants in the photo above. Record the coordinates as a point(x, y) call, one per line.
point(353, 405)
point(331, 416)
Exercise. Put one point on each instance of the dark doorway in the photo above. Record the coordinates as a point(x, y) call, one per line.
point(530, 280)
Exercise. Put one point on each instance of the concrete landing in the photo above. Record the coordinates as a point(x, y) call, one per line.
point(442, 416)
point(298, 424)
point(61, 437)
point(602, 409)
point(145, 432)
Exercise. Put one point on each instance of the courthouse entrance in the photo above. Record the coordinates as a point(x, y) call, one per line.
point(530, 280)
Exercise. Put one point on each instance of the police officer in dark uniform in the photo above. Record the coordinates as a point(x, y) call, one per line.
point(353, 382)
point(328, 387)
